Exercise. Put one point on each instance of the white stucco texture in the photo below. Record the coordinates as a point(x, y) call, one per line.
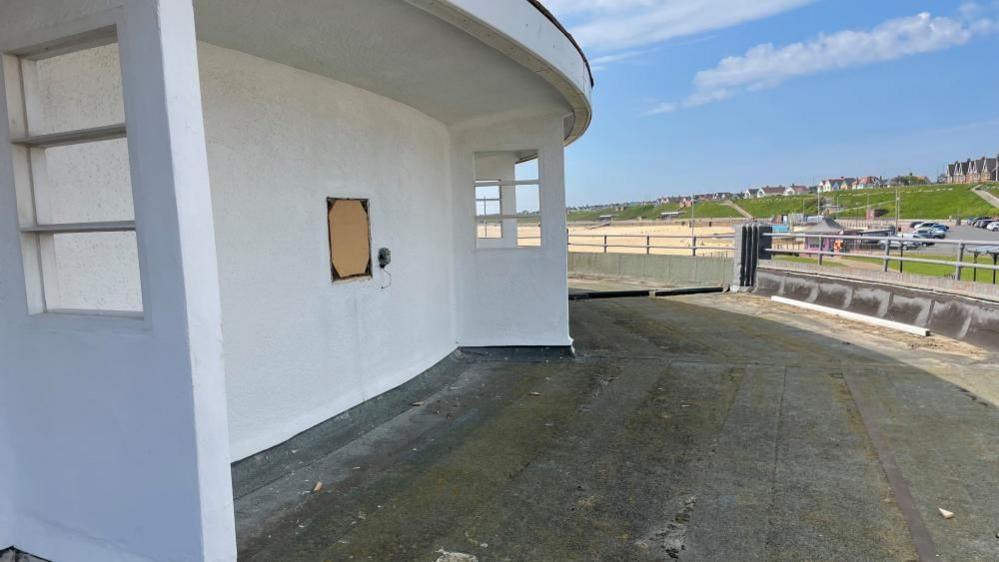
point(299, 348)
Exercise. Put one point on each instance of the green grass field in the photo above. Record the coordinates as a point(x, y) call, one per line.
point(769, 207)
point(918, 202)
point(928, 269)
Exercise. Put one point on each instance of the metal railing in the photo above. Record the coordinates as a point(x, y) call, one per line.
point(880, 247)
point(615, 243)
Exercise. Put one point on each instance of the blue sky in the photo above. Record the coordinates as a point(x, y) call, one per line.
point(718, 95)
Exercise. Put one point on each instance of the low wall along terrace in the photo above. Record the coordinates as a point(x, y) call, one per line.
point(952, 314)
point(669, 271)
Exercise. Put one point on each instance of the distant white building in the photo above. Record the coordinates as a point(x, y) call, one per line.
point(326, 194)
point(768, 191)
point(836, 184)
point(796, 190)
point(869, 182)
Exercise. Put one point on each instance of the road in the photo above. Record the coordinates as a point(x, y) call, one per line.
point(717, 427)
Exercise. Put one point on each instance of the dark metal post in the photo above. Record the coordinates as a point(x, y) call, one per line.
point(605, 243)
point(960, 259)
point(901, 254)
point(693, 246)
point(648, 245)
point(887, 254)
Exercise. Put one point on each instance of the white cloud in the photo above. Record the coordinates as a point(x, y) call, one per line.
point(610, 25)
point(601, 62)
point(766, 66)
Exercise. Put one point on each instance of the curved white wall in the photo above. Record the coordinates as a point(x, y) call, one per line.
point(300, 349)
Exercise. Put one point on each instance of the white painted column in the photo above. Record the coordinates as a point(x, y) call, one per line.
point(163, 95)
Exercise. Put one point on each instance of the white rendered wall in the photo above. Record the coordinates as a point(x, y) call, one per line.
point(300, 349)
point(512, 296)
point(115, 444)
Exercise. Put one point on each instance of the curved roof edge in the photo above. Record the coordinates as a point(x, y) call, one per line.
point(528, 33)
point(551, 17)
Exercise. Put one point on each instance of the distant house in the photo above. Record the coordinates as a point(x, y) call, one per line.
point(983, 169)
point(830, 185)
point(955, 172)
point(719, 196)
point(869, 182)
point(837, 184)
point(796, 190)
point(768, 191)
point(669, 200)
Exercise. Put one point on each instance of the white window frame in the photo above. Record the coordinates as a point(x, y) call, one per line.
point(28, 159)
point(489, 243)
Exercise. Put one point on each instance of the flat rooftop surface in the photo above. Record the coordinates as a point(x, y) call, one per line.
point(711, 427)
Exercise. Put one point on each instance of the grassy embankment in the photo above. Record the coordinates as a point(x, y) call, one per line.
point(918, 202)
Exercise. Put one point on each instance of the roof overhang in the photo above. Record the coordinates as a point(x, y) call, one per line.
point(455, 60)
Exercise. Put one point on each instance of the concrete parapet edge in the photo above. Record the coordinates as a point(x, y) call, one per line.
point(972, 320)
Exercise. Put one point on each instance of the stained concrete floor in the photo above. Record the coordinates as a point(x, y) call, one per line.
point(712, 427)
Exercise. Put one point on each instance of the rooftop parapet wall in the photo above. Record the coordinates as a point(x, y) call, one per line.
point(975, 321)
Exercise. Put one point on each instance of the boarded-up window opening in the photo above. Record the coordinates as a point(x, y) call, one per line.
point(350, 238)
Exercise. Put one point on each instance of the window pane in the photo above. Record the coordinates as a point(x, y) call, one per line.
point(490, 229)
point(528, 232)
point(528, 199)
point(78, 90)
point(487, 192)
point(84, 183)
point(527, 171)
point(487, 208)
point(96, 271)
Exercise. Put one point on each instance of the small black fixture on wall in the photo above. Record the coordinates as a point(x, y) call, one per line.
point(384, 259)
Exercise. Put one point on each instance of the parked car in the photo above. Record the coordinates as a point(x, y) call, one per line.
point(983, 222)
point(930, 232)
point(896, 244)
point(925, 237)
point(929, 224)
point(993, 226)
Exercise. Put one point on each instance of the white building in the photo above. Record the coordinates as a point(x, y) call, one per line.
point(184, 185)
